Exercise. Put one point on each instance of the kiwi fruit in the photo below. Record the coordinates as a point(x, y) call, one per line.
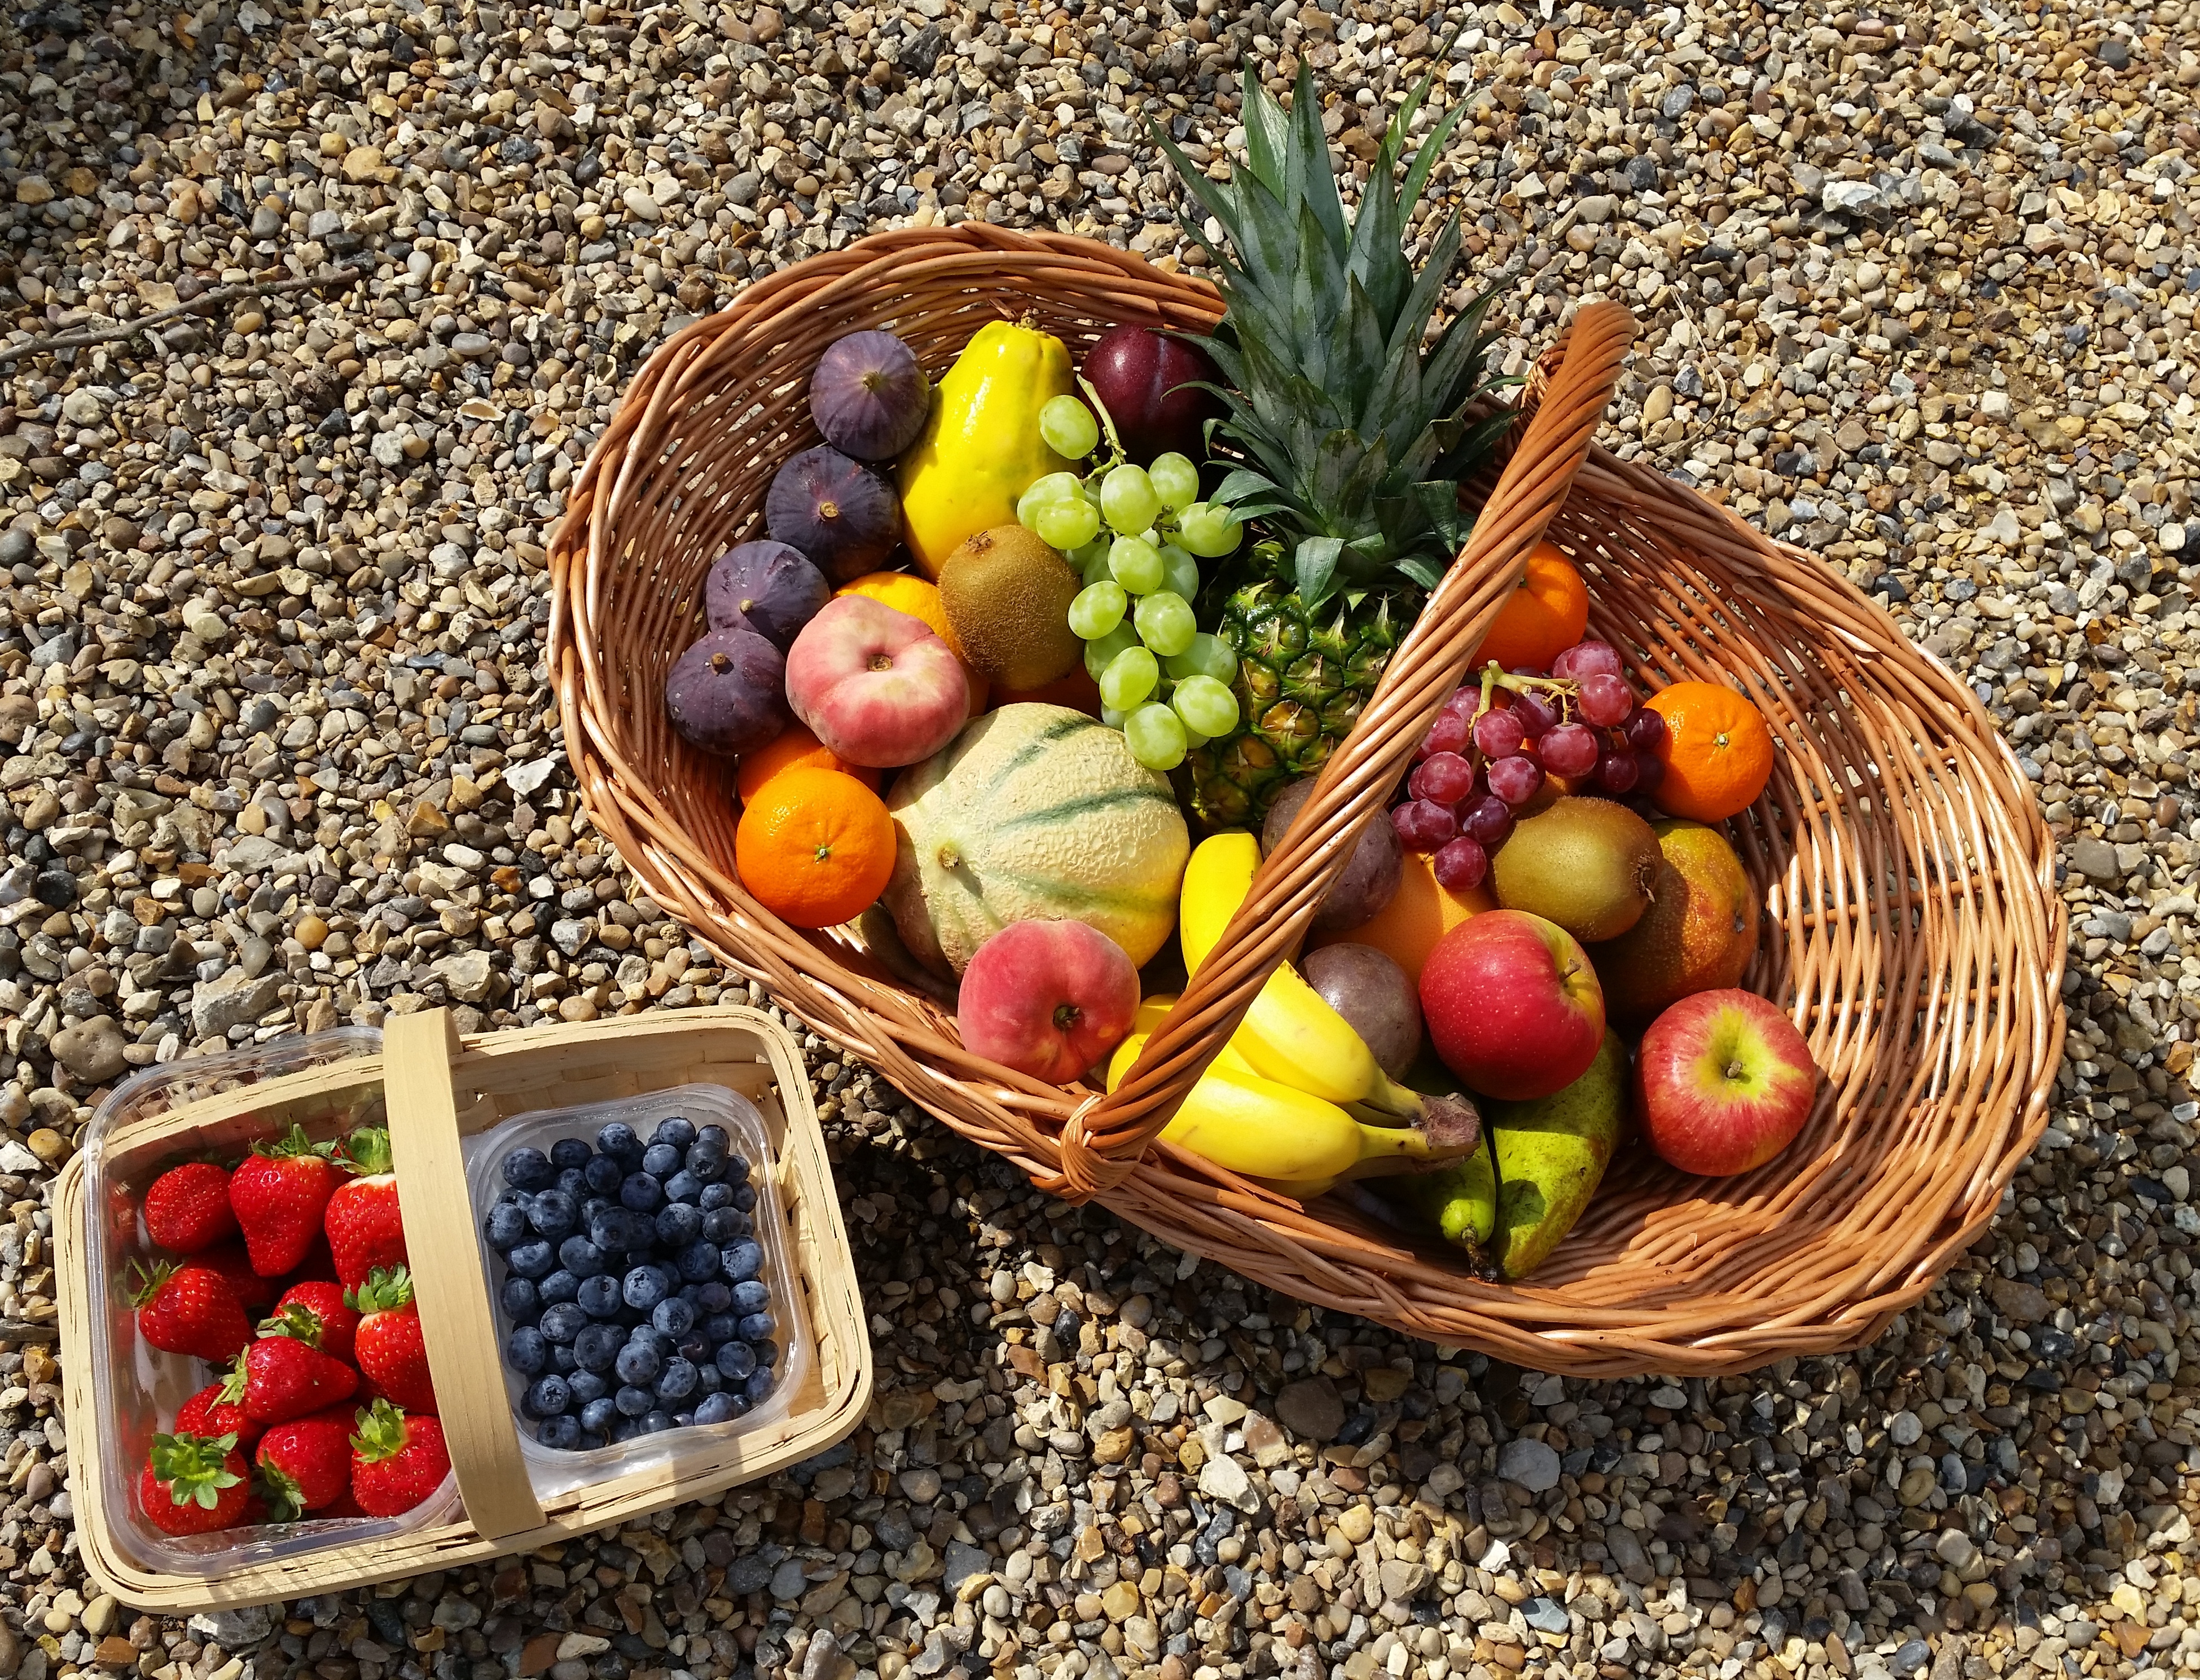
point(1008, 596)
point(1587, 864)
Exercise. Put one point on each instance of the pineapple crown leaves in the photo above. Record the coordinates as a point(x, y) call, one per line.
point(1355, 438)
point(385, 1290)
point(365, 1152)
point(193, 1467)
point(382, 1432)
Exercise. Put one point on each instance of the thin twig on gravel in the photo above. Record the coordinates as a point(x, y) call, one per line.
point(198, 305)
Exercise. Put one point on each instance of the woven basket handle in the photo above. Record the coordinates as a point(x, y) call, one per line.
point(1104, 1140)
point(447, 1275)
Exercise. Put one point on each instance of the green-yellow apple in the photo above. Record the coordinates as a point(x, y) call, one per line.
point(1722, 1083)
point(1513, 1006)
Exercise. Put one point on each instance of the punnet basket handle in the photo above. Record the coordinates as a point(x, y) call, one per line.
point(447, 1275)
point(1103, 1141)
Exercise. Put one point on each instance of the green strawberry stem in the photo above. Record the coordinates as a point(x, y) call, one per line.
point(367, 1152)
point(386, 1290)
point(381, 1433)
point(193, 1467)
point(293, 1145)
point(148, 1282)
point(285, 1498)
point(298, 1322)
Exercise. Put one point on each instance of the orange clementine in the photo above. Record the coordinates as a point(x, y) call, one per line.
point(815, 847)
point(905, 592)
point(1545, 615)
point(1421, 913)
point(1075, 690)
point(793, 745)
point(1717, 751)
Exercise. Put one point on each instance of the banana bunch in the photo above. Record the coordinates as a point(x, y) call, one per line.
point(1291, 1034)
point(1295, 1143)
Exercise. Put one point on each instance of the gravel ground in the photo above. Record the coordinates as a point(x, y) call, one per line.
point(1917, 293)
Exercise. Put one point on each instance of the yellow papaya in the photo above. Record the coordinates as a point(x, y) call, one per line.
point(981, 447)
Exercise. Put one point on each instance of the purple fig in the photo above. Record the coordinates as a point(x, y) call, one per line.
point(1141, 376)
point(765, 586)
point(838, 512)
point(869, 396)
point(727, 693)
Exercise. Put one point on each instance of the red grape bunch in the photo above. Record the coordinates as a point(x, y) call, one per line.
point(1498, 736)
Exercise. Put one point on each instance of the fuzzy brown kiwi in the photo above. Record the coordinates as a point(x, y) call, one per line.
point(1008, 596)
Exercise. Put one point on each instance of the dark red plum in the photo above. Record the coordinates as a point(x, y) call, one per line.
point(1141, 376)
point(869, 396)
point(727, 693)
point(767, 587)
point(836, 510)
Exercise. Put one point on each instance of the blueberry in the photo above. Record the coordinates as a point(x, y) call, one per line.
point(561, 1359)
point(655, 1423)
point(570, 1152)
point(714, 1297)
point(548, 1397)
point(719, 1407)
point(754, 1328)
point(660, 1160)
point(525, 1350)
point(600, 1414)
point(742, 1262)
point(714, 1197)
point(694, 1349)
point(674, 1318)
point(560, 1286)
point(723, 1225)
point(522, 1305)
point(681, 1419)
point(526, 1168)
point(602, 1175)
point(559, 1434)
point(532, 1259)
point(645, 1287)
point(633, 1402)
point(638, 1362)
point(683, 1187)
point(719, 1328)
point(649, 1336)
point(565, 1321)
point(617, 1140)
point(580, 1257)
point(569, 1182)
point(707, 1161)
point(677, 1132)
point(735, 1360)
point(708, 1378)
point(678, 1225)
point(712, 1133)
point(624, 1430)
point(590, 1440)
point(745, 1198)
point(506, 1225)
point(752, 1297)
point(698, 1260)
point(608, 1230)
point(554, 1213)
point(676, 1381)
point(737, 1170)
point(597, 1347)
point(641, 1193)
point(767, 1353)
point(587, 1385)
point(760, 1385)
point(600, 1295)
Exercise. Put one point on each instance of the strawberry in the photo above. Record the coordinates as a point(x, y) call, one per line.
point(317, 1313)
point(305, 1465)
point(194, 1484)
point(187, 1208)
point(278, 1193)
point(254, 1293)
point(363, 1225)
point(208, 1414)
point(279, 1377)
point(319, 1266)
point(398, 1459)
point(391, 1354)
point(189, 1309)
point(342, 1506)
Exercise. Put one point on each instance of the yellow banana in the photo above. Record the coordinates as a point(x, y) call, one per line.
point(1291, 1034)
point(1269, 1131)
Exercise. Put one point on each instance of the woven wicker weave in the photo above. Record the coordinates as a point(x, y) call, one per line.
point(1910, 921)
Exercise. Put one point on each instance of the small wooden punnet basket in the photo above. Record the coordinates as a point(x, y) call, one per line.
point(434, 1090)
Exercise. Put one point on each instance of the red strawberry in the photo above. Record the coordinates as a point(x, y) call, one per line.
point(317, 1313)
point(279, 1192)
point(187, 1209)
point(208, 1414)
point(342, 1506)
point(363, 1225)
point(306, 1464)
point(397, 1460)
point(319, 1266)
point(254, 1293)
point(189, 1309)
point(391, 1355)
point(194, 1484)
point(280, 1378)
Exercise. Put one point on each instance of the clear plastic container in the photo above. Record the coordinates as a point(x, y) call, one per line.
point(550, 1471)
point(137, 1387)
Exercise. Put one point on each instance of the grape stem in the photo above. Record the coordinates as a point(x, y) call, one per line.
point(1495, 676)
point(1116, 456)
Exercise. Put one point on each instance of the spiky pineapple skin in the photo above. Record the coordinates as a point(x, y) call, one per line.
point(1303, 677)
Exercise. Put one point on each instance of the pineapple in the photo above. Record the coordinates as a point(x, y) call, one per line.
point(1354, 437)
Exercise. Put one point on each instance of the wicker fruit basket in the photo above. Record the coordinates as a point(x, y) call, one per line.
point(1913, 927)
point(438, 1090)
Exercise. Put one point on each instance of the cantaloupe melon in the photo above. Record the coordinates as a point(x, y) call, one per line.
point(1033, 812)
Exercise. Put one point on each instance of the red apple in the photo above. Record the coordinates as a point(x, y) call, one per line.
point(1722, 1083)
point(1144, 377)
point(1512, 1006)
point(877, 686)
point(1048, 999)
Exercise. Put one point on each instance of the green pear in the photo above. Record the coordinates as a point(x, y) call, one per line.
point(1551, 1153)
point(1460, 1198)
